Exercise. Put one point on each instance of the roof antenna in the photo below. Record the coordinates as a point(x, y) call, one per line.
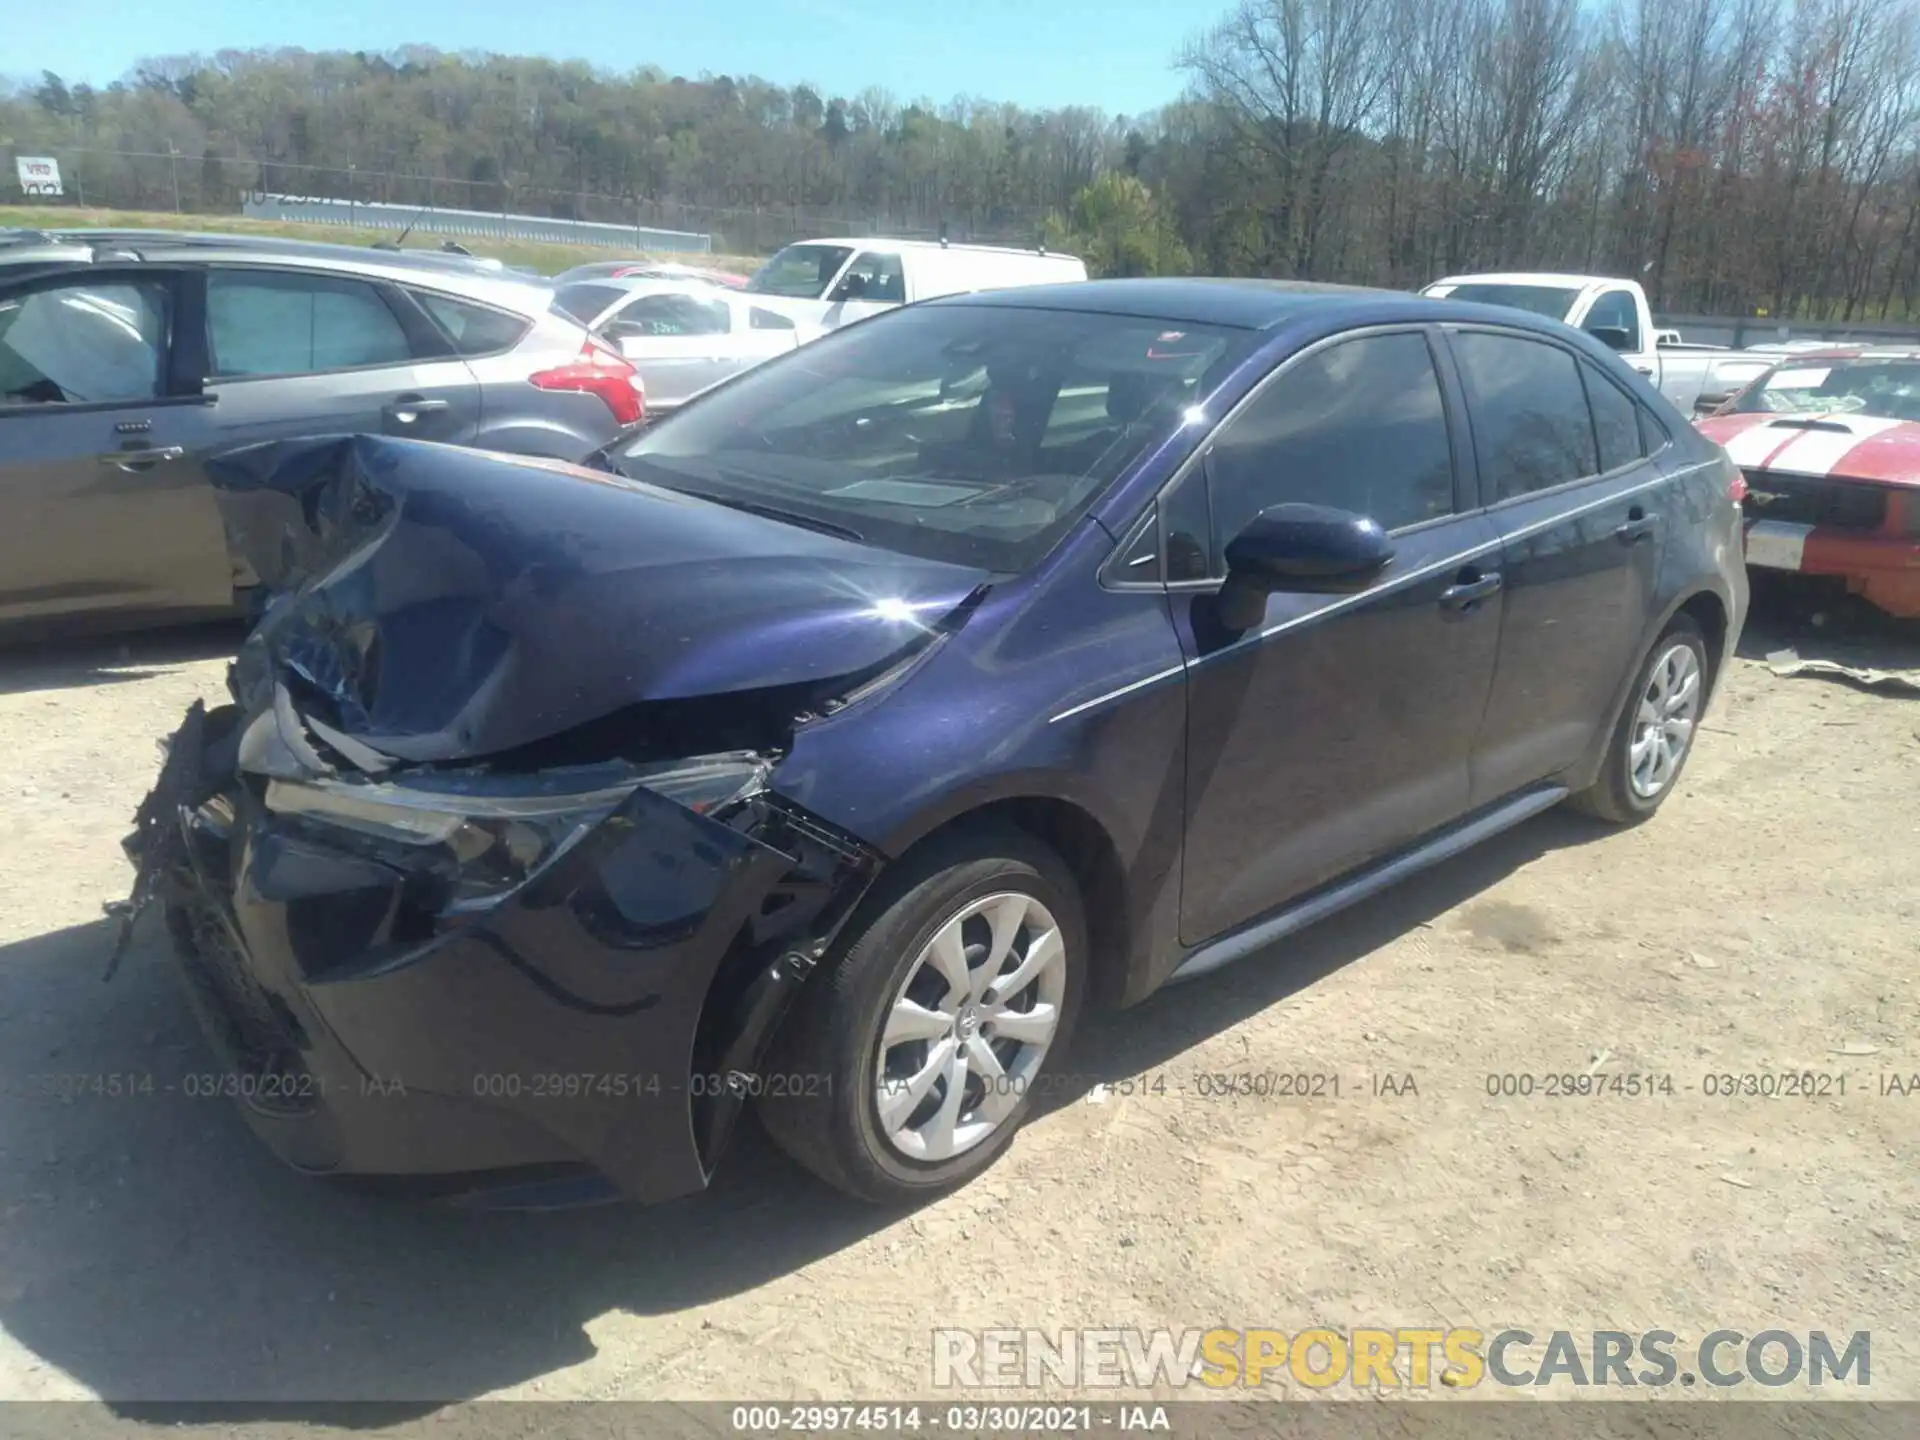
point(400, 240)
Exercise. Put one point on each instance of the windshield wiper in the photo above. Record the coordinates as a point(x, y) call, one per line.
point(787, 517)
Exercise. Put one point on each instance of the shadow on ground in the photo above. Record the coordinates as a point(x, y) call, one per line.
point(69, 665)
point(152, 1250)
point(1819, 620)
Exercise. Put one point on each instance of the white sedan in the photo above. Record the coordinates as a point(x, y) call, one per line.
point(683, 336)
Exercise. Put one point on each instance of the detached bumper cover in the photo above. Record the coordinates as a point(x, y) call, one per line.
point(567, 1026)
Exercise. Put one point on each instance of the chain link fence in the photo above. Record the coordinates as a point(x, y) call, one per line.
point(740, 219)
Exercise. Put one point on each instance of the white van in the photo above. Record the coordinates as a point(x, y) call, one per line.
point(851, 278)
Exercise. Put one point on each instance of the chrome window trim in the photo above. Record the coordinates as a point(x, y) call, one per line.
point(1388, 586)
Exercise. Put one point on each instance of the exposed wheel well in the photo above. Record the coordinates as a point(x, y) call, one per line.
point(1083, 843)
point(1706, 611)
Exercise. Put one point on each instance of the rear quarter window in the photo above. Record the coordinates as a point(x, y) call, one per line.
point(474, 329)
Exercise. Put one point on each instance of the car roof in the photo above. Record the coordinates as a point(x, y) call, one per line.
point(455, 274)
point(1547, 278)
point(886, 246)
point(1244, 303)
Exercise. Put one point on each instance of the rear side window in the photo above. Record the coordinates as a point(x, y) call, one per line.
point(284, 324)
point(1359, 426)
point(586, 303)
point(665, 315)
point(1616, 420)
point(473, 329)
point(82, 344)
point(1531, 425)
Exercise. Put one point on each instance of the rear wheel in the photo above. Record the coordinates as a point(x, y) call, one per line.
point(1651, 743)
point(909, 1063)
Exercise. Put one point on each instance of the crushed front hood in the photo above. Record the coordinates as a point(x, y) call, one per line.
point(435, 603)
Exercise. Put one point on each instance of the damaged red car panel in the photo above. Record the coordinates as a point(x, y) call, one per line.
point(1830, 448)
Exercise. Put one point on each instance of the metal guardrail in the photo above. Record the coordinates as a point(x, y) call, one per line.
point(481, 223)
point(1739, 332)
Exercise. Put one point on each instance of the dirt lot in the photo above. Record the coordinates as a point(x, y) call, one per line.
point(1766, 921)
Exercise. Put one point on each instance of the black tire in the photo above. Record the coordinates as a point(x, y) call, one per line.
point(1612, 796)
point(832, 1035)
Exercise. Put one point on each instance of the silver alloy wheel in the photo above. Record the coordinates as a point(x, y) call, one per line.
point(970, 1025)
point(1663, 725)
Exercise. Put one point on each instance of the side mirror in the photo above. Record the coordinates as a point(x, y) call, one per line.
point(1614, 337)
point(1313, 549)
point(854, 287)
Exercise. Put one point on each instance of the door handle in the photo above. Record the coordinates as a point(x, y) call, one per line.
point(1469, 589)
point(406, 409)
point(144, 458)
point(1639, 526)
point(1646, 370)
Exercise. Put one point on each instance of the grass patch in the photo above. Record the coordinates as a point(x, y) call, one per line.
point(547, 259)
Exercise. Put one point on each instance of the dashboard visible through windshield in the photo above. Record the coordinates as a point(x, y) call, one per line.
point(968, 434)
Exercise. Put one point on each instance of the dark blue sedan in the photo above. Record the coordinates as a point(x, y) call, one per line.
point(834, 745)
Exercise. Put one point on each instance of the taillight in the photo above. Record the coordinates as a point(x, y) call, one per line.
point(1737, 487)
point(604, 372)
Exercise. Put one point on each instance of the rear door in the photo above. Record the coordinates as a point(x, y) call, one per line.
point(106, 511)
point(296, 352)
point(1562, 453)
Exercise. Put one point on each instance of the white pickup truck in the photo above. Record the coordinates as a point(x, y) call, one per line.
point(1696, 378)
point(844, 280)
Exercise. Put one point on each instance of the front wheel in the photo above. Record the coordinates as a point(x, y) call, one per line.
point(1655, 735)
point(910, 1062)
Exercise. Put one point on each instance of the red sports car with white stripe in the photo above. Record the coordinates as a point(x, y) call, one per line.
point(1829, 444)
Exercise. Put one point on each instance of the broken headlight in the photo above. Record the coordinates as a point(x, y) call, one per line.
point(488, 834)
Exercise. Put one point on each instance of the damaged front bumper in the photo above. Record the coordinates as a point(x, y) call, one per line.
point(474, 978)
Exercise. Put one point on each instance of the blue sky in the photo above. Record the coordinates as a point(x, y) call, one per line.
point(1115, 54)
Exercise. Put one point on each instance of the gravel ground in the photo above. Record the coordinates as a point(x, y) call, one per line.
point(1765, 921)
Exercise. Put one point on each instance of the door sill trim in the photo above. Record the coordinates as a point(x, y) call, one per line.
point(1319, 904)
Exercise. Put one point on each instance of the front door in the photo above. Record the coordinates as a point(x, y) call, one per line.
point(105, 508)
point(1341, 727)
point(1564, 470)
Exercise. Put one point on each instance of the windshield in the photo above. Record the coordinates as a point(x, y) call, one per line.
point(800, 272)
point(1548, 300)
point(1888, 389)
point(970, 434)
point(587, 301)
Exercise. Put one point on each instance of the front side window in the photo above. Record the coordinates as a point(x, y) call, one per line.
point(82, 344)
point(654, 315)
point(1530, 420)
point(1615, 310)
point(964, 433)
point(1359, 425)
point(283, 324)
point(800, 272)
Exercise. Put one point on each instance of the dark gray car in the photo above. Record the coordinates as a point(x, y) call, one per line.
point(127, 360)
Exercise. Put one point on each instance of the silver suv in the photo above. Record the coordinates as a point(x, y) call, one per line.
point(128, 359)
